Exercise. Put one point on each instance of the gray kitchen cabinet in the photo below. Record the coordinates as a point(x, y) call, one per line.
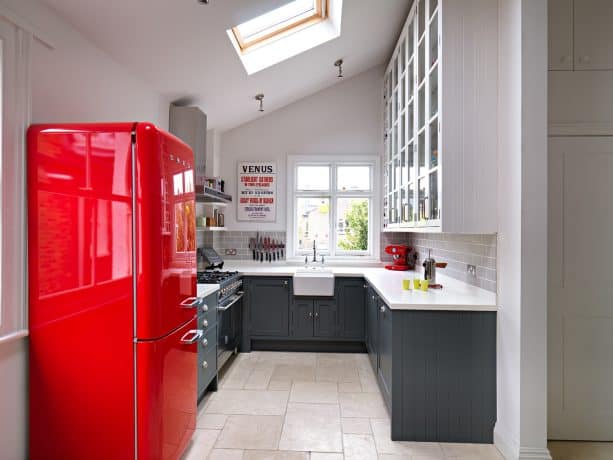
point(268, 301)
point(325, 319)
point(372, 329)
point(384, 348)
point(352, 307)
point(302, 318)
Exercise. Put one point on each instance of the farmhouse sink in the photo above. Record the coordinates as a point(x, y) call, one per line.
point(314, 282)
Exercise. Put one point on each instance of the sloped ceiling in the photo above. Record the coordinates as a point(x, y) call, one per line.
point(180, 47)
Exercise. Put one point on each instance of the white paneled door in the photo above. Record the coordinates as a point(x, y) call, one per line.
point(580, 310)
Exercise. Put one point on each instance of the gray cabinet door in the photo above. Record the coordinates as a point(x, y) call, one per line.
point(268, 304)
point(385, 350)
point(325, 318)
point(373, 327)
point(352, 312)
point(302, 318)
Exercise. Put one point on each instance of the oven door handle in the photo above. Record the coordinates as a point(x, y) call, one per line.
point(239, 296)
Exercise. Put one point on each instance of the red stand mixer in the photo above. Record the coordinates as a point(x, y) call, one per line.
point(403, 257)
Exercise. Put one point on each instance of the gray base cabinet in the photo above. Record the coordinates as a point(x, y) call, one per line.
point(372, 327)
point(267, 301)
point(350, 293)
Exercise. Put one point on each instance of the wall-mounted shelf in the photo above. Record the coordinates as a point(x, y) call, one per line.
point(211, 229)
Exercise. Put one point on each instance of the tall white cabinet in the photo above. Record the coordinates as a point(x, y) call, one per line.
point(440, 99)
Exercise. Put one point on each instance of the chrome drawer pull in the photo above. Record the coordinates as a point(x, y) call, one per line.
point(191, 336)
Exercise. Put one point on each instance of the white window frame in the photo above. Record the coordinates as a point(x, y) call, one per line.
point(15, 106)
point(373, 195)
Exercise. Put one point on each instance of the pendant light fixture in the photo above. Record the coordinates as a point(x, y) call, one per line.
point(260, 99)
point(339, 63)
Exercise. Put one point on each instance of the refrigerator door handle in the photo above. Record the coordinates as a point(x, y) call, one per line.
point(191, 336)
point(192, 302)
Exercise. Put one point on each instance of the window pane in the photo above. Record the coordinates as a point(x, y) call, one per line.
point(352, 225)
point(353, 178)
point(313, 177)
point(313, 220)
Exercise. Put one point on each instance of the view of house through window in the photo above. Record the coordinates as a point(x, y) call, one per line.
point(333, 206)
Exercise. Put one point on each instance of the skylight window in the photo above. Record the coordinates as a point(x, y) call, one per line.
point(287, 31)
point(277, 23)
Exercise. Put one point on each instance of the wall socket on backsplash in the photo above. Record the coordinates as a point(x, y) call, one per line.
point(230, 252)
point(471, 270)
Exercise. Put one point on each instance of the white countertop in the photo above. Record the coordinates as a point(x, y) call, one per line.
point(455, 295)
point(206, 289)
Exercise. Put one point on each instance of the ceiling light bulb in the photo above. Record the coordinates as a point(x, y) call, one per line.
point(339, 63)
point(260, 98)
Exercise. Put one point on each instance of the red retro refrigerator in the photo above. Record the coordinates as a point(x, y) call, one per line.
point(112, 292)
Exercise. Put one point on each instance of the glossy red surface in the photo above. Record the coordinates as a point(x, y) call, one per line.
point(167, 233)
point(80, 293)
point(167, 387)
point(82, 327)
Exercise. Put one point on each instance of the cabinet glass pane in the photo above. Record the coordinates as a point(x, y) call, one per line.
point(404, 169)
point(421, 12)
point(410, 79)
point(394, 150)
point(410, 120)
point(421, 199)
point(434, 40)
point(404, 206)
point(421, 107)
point(390, 177)
point(394, 105)
point(395, 72)
point(397, 172)
point(401, 93)
point(411, 161)
point(433, 93)
point(403, 131)
point(411, 211)
point(402, 56)
point(433, 144)
point(433, 195)
point(433, 5)
point(411, 38)
point(390, 119)
point(421, 153)
point(421, 64)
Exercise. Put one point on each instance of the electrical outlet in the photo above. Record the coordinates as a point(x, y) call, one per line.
point(230, 252)
point(471, 270)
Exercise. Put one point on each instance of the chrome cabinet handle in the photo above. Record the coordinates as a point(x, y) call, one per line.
point(205, 342)
point(205, 307)
point(382, 309)
point(316, 315)
point(310, 314)
point(191, 336)
point(191, 302)
point(205, 364)
point(205, 323)
point(285, 283)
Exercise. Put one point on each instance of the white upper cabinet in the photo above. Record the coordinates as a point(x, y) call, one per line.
point(593, 34)
point(440, 93)
point(560, 34)
point(580, 34)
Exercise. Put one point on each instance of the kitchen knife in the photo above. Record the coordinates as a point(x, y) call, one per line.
point(261, 245)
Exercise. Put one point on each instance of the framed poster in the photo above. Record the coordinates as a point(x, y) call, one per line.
point(257, 191)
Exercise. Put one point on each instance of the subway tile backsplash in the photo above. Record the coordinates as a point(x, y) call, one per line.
point(457, 250)
point(229, 240)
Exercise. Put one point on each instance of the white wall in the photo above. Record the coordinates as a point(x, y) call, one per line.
point(75, 81)
point(521, 429)
point(343, 119)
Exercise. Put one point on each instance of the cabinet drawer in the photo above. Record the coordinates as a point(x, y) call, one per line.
point(206, 374)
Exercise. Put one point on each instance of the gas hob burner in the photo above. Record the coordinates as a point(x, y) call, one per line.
point(216, 276)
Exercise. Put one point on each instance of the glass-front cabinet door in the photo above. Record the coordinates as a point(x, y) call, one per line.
point(411, 119)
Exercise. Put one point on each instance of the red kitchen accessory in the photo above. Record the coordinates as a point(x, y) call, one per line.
point(403, 257)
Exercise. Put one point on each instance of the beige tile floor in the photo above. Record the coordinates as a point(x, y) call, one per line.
point(307, 406)
point(569, 450)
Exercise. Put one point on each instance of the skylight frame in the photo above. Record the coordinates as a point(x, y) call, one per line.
point(318, 13)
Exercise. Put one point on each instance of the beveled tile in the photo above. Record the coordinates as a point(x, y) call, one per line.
point(312, 427)
point(250, 432)
point(349, 387)
point(325, 456)
point(293, 372)
point(385, 445)
point(355, 425)
point(476, 451)
point(225, 454)
point(248, 402)
point(274, 455)
point(201, 444)
point(365, 405)
point(359, 447)
point(277, 385)
point(211, 421)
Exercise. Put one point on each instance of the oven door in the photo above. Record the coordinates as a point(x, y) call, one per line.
point(229, 314)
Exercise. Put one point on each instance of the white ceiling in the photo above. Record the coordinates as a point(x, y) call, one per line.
point(181, 48)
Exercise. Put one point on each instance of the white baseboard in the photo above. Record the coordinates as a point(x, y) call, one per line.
point(534, 453)
point(511, 450)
